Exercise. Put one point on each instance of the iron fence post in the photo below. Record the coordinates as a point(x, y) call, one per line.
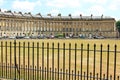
point(101, 51)
point(58, 48)
point(115, 59)
point(108, 62)
point(63, 61)
point(88, 60)
point(69, 60)
point(15, 58)
point(42, 61)
point(75, 60)
point(2, 57)
point(28, 59)
point(94, 63)
point(81, 60)
point(6, 58)
point(53, 61)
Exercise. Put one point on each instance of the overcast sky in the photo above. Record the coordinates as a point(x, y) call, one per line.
point(65, 7)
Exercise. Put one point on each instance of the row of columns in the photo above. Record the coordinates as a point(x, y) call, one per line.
point(44, 26)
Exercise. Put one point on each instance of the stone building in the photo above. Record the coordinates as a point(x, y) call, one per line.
point(18, 24)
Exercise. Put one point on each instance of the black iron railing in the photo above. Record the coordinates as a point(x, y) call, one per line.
point(46, 61)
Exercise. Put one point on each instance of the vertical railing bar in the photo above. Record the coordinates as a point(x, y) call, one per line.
point(94, 65)
point(97, 77)
point(69, 60)
point(110, 77)
point(55, 74)
point(37, 60)
point(19, 58)
point(84, 75)
point(103, 76)
point(101, 61)
point(35, 73)
point(75, 60)
point(78, 75)
point(47, 60)
point(21, 71)
point(81, 59)
point(72, 75)
point(45, 73)
point(28, 59)
point(118, 78)
point(91, 76)
point(87, 61)
point(26, 72)
point(2, 56)
point(66, 74)
point(24, 59)
point(15, 63)
point(115, 56)
point(52, 61)
point(31, 71)
point(61, 73)
point(108, 62)
point(58, 59)
point(10, 58)
point(33, 58)
point(50, 74)
point(8, 69)
point(40, 72)
point(42, 61)
point(63, 61)
point(6, 57)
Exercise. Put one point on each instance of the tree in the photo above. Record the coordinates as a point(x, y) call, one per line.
point(118, 27)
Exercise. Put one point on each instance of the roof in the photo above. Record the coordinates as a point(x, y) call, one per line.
point(29, 15)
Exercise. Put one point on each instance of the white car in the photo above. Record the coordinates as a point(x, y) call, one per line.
point(67, 37)
point(1, 37)
point(26, 37)
point(12, 37)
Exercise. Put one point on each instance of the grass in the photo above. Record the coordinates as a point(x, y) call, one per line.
point(85, 42)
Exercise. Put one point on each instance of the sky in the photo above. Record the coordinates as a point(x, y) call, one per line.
point(65, 7)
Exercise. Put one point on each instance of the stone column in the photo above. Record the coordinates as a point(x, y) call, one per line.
point(2, 27)
point(51, 28)
point(5, 21)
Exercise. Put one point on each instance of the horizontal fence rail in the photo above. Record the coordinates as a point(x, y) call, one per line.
point(50, 61)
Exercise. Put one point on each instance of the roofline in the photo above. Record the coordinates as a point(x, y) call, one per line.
point(69, 17)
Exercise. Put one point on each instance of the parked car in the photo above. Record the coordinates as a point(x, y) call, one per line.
point(12, 37)
point(67, 37)
point(19, 37)
point(51, 37)
point(98, 37)
point(75, 37)
point(26, 37)
point(33, 37)
point(81, 36)
point(1, 37)
point(5, 37)
point(39, 37)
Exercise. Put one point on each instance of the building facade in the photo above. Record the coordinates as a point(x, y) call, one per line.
point(18, 24)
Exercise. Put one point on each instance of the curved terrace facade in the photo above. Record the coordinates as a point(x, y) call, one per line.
point(19, 24)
